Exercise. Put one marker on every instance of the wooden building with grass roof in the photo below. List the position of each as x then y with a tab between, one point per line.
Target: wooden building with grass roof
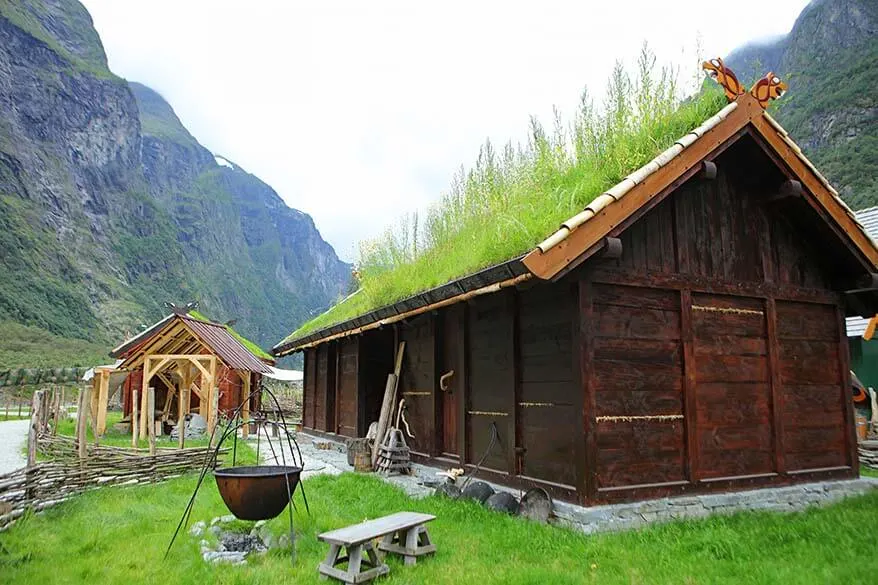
192	363
685	332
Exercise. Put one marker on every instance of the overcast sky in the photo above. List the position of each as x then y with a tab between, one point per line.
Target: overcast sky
358	112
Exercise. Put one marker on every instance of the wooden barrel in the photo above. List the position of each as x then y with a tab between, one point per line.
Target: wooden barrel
360	455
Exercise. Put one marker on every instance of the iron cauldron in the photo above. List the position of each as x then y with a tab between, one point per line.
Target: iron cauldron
256	492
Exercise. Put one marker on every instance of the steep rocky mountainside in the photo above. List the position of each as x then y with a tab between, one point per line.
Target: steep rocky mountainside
830	60
109	206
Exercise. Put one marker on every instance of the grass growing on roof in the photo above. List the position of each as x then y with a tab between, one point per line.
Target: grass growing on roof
119	535
513	198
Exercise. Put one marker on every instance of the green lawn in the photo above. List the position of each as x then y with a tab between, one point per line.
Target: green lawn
115	438
13	415
118	535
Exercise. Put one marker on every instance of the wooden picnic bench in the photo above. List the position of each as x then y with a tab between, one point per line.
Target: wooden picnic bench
403	533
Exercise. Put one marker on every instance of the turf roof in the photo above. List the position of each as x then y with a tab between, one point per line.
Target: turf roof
508	203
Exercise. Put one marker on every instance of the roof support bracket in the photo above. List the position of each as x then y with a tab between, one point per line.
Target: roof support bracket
866	282
708	171
612	249
788	189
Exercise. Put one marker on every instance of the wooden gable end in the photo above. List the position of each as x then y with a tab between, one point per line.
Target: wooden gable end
714	347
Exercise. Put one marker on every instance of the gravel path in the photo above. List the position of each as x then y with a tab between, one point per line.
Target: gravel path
13	437
333	461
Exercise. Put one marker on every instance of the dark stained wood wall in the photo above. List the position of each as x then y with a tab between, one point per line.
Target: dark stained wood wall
491	381
814	402
347	395
732	390
417	382
309	388
549	408
321	387
719	313
711	355
637	373
376	361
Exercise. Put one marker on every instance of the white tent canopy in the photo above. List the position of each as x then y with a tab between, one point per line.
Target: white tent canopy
285	375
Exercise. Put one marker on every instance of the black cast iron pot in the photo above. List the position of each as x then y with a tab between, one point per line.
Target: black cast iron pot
256	492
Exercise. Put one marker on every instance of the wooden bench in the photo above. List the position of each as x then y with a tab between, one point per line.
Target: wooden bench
403	533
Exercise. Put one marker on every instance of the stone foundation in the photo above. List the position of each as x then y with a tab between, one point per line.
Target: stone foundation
329	458
779	499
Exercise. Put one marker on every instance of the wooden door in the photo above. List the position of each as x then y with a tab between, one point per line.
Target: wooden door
450	384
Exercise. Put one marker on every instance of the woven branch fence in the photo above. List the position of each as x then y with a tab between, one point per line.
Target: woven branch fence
868	451
46	484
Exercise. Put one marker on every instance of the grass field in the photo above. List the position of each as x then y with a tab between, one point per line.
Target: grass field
118	535
115	438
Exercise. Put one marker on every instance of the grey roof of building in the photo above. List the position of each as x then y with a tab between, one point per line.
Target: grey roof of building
868	218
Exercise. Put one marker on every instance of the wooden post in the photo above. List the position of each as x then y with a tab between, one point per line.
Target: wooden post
82	421
150	406
245	411
134	418
214	409
33	431
586	374
103	398
181	415
776	384
56	410
213	397
147	375
690	406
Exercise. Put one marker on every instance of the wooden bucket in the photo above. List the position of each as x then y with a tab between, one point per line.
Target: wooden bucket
360	455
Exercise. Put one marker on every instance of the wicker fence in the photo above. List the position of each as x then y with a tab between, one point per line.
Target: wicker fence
72	470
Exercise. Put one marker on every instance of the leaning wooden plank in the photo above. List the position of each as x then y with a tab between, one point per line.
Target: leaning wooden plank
388	402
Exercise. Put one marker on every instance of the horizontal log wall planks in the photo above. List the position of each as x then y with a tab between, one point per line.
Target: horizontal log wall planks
751	400
417	384
491	372
550	402
309	388
348	386
320	387
733	394
708	355
814	404
637	382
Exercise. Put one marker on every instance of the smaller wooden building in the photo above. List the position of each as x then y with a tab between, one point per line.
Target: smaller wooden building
192	363
683	333
864	352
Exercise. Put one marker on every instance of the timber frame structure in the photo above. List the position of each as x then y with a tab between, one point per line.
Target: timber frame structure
683	333
188	359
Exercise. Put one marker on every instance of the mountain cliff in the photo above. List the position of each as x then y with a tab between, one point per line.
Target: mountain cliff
109	207
830	61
